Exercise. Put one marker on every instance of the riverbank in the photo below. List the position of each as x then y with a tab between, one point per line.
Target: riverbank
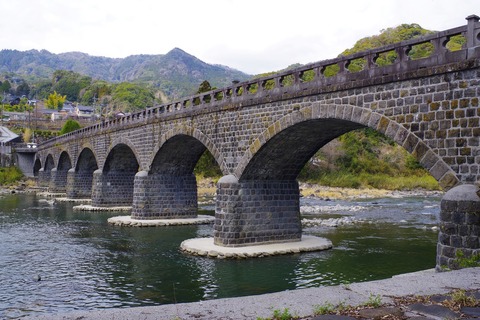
394	298
207	188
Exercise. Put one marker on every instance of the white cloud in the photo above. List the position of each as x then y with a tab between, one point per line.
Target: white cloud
249	35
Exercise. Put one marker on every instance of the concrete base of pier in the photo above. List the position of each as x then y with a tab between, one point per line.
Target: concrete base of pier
51	194
129	222
87	207
206	247
71	200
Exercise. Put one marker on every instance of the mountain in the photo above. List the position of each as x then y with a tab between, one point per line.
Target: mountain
176	73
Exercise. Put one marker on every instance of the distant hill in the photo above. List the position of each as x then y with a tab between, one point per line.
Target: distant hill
176	73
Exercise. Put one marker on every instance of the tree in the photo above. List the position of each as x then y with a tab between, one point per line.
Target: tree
204	87
128	97
97	91
70	83
27	135
5	86
55	101
69	126
23	89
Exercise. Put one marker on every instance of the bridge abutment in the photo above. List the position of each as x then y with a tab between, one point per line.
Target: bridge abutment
458	240
164	196
79	184
112	189
256	212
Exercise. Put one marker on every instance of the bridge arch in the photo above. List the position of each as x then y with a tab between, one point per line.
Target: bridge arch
119	144
310	128
80	177
49	163
44	173
197	135
113	184
36	167
169	188
267	172
58	178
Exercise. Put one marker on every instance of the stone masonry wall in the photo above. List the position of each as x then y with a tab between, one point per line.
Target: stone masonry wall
162	196
256	212
58	181
459	236
114	189
79	184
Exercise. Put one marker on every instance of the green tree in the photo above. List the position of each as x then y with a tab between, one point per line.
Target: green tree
5	87
55	101
204	87
23	89
98	91
41	89
70	83
130	97
69	126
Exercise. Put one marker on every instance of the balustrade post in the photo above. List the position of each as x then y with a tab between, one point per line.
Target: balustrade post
473	31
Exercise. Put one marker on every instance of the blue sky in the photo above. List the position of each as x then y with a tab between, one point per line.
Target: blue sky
253	36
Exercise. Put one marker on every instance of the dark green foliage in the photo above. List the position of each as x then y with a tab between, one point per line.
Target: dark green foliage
204	87
367	158
207	166
361	152
5	86
130	97
23	89
69	83
41	89
386	37
10	175
69	126
96	92
45	134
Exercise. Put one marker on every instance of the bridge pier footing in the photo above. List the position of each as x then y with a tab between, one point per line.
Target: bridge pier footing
112	188
256	212
79	184
164	196
458	240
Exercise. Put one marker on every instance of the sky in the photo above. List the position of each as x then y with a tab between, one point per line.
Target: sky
253	36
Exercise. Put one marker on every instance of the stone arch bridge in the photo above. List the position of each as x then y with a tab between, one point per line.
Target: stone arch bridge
262	132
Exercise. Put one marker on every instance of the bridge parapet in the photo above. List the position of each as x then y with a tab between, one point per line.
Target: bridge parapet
307	80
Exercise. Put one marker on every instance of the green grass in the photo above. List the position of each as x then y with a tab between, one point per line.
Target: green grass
10	175
377	181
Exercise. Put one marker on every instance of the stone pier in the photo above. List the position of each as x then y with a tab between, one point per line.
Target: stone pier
164	196
112	189
79	184
256	212
458	239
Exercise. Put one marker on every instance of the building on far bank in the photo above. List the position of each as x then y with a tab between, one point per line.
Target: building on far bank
7	137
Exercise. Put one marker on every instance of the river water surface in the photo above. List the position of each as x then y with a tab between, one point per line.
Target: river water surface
53	259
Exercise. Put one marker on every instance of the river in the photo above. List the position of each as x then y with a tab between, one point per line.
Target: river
54	259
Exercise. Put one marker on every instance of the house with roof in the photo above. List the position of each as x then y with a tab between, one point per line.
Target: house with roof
84	112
